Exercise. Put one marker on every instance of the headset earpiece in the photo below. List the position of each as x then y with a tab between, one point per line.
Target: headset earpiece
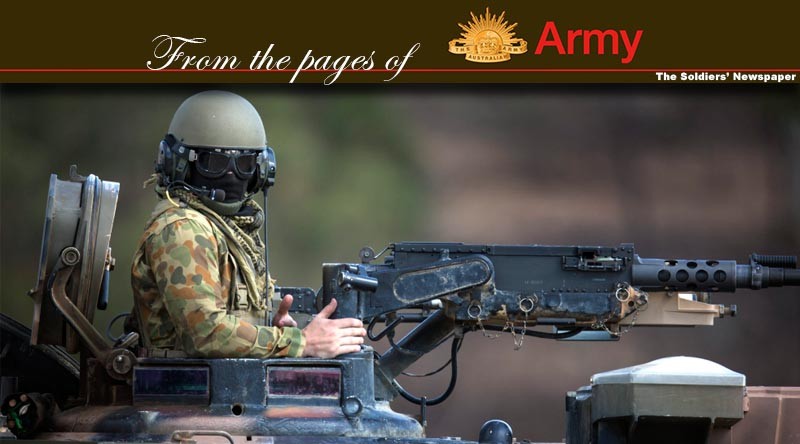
265	176
173	160
163	148
164	159
270	167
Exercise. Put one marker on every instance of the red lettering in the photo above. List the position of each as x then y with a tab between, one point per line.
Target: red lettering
631	46
594	41
571	36
549	30
601	35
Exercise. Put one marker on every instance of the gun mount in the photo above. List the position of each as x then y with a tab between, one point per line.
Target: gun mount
580	292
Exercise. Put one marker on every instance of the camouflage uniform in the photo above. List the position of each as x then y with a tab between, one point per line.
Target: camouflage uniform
188	297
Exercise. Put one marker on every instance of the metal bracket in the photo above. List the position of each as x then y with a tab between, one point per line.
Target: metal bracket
119	362
74	176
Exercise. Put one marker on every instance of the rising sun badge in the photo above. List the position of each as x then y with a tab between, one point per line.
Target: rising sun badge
488	39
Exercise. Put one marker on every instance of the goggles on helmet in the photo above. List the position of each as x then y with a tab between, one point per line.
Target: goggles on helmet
215	163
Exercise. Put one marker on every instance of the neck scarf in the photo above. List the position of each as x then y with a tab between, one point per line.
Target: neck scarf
241	231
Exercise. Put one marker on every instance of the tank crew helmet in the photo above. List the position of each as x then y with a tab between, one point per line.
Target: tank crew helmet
216	147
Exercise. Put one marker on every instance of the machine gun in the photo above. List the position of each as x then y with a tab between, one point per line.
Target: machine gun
121	393
580	292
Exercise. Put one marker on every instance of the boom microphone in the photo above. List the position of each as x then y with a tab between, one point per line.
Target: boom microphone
215	194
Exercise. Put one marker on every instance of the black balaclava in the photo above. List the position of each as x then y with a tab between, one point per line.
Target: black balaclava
235	189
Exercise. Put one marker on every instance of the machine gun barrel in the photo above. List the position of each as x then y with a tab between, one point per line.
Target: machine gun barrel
714	275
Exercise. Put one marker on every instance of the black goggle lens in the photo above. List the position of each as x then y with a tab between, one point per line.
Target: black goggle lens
213	163
216	163
247	163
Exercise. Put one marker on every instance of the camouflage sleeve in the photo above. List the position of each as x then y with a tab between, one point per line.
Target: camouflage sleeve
184	257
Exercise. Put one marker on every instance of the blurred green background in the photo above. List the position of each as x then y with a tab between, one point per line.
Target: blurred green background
693	172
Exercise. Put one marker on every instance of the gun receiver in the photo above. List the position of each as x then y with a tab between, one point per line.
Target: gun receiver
575	286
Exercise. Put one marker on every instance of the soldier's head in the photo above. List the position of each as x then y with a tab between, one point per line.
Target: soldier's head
216	147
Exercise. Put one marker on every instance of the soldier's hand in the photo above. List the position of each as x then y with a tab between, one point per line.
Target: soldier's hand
282	317
326	338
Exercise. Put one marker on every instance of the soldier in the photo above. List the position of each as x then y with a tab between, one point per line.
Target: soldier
199	277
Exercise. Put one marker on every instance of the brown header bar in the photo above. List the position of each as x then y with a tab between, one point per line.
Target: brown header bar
408	42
